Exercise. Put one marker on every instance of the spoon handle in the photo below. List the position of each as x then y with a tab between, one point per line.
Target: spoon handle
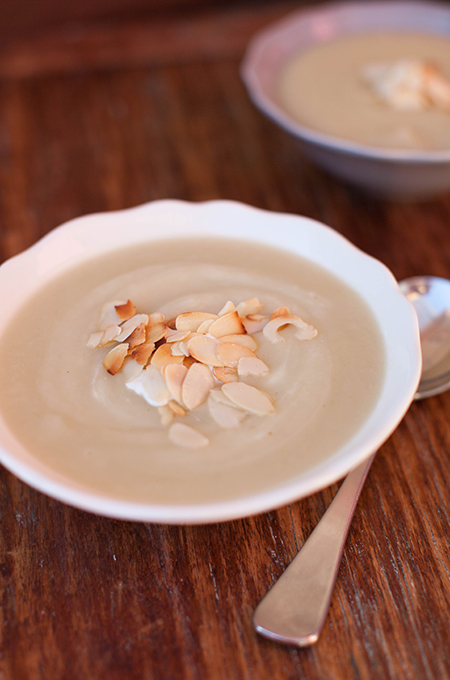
295	608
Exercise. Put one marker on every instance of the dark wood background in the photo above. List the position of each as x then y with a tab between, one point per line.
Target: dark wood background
103	110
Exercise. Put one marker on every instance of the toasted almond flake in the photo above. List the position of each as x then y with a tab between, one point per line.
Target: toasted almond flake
185	435
224	374
110	334
218	395
252	366
113	361
228	324
281	311
129	326
228	307
95	339
176	336
196	386
249	307
248	398
163	356
253	323
180	349
188	361
138	337
125	311
229	353
155	318
438	87
203	349
304	330
224	415
176	408
142	353
174	375
157	332
108	315
190	321
151	385
205	326
245	340
167	415
131	370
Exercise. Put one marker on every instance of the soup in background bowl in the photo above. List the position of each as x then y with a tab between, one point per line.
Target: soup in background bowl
342	78
332	355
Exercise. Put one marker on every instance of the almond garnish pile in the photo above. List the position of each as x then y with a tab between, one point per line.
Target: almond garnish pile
409	85
177	365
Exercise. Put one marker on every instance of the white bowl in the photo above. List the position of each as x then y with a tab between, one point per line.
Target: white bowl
93	235
400	174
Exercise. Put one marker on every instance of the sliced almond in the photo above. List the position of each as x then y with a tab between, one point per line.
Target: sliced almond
152	386
142	353
176	408
190	321
437	87
176	336
188	361
229	353
167	415
125	311
196	386
110	334
228	324
245	340
248	307
108	315
180	349
304	330
131	370
163	356
225	374
248	398
185	435
252	366
203	349
95	339
157	332
228	307
129	326
281	311
156	318
174	375
113	361
253	323
218	395
224	415
138	337
205	326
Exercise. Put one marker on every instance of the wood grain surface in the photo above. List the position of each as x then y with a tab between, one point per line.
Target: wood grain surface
84	597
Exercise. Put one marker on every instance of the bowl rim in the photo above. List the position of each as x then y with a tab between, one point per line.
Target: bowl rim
269	36
84	238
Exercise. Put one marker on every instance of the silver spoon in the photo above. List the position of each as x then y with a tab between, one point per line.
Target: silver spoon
295	608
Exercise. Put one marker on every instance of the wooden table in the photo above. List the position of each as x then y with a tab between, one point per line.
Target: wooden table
112	116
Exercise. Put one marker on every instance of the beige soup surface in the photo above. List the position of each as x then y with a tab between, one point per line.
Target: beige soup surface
380	89
87	426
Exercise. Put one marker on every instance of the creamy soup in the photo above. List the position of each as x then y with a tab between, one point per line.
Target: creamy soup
85	424
325	88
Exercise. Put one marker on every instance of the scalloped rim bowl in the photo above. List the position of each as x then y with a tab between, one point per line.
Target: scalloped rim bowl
93	235
400	173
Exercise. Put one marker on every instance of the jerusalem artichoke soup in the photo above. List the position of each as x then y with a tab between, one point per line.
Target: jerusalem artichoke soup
189	370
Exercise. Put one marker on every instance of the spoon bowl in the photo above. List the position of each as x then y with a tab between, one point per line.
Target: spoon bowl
430	297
